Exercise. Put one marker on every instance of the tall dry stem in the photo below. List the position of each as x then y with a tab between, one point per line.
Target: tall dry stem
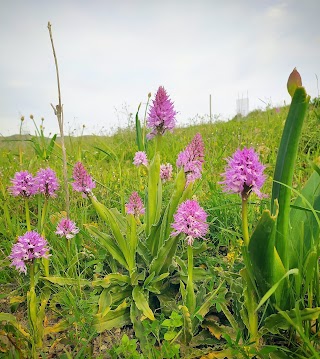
58	111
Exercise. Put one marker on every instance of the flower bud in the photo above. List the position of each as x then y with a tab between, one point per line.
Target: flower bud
294	81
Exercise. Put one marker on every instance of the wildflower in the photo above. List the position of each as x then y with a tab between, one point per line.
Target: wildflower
244	173
47	182
67	228
162	114
135	205
23	184
29	247
82	180
190	219
166	172
140	158
192	158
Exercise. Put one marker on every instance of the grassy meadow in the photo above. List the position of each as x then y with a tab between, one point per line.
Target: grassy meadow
92	303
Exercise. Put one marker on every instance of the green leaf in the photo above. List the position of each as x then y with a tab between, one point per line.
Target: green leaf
285	167
163	260
109	244
208	302
275	286
141	302
152	206
116	222
139	138
132	239
304	230
261	251
275	322
6	317
67	281
112	278
116	318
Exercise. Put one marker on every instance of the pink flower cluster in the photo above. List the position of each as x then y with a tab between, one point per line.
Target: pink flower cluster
190	219
140	158
46	181
162	114
166	172
244	173
30	246
25	185
192	159
66	228
135	205
82	181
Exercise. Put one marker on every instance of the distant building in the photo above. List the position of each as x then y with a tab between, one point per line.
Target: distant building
242	106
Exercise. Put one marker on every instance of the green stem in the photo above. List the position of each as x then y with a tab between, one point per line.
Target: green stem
190	300
158	143
44	215
27	215
32	285
245	230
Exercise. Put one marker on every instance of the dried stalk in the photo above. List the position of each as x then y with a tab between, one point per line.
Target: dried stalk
58	111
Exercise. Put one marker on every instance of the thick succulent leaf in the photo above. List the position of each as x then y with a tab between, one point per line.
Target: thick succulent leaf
284	169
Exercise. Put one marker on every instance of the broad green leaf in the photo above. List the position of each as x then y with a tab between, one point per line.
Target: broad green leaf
261	251
285	167
116	318
275	322
141	302
115	221
105	301
163	260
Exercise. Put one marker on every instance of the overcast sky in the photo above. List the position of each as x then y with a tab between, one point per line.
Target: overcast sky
111	54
